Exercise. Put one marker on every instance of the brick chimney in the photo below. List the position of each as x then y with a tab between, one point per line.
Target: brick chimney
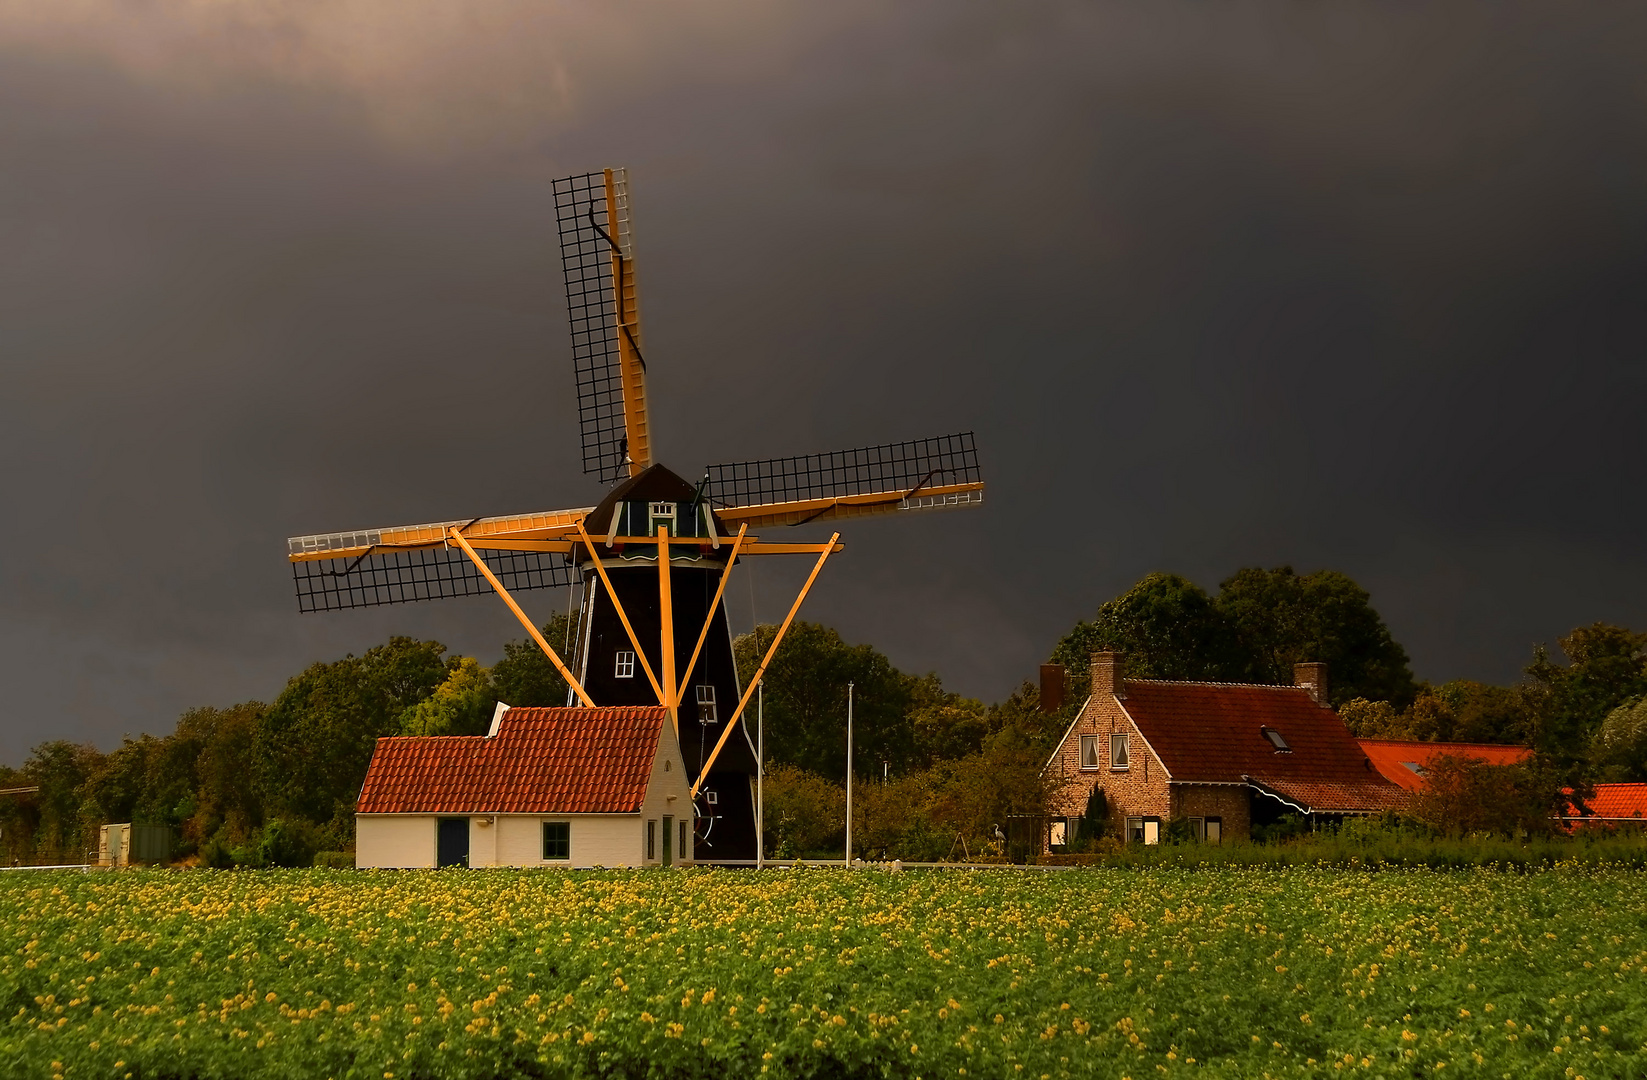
1052	687
1312	677
1107	673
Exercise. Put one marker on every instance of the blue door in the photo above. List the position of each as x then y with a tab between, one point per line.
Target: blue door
452	842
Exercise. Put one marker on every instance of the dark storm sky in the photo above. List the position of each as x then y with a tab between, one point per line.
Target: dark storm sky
1344	286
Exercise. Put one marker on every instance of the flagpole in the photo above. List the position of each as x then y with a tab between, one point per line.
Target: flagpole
849	775
760	775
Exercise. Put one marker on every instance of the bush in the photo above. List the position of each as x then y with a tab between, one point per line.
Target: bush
335	860
285	843
215	855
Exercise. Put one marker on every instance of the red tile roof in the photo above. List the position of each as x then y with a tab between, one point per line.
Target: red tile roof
542	761
1395	758
1213	733
1617	801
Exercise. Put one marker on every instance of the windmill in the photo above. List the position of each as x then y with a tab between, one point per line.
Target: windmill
653	557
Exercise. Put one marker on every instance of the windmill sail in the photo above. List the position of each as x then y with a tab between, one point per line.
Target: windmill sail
926	474
407	563
597	255
403	577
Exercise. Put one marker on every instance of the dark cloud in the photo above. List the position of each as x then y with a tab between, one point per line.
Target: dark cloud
1357	287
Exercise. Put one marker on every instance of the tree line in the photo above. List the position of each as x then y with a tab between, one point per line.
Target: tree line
937	772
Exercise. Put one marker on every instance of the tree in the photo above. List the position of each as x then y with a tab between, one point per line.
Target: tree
461	705
1620	745
806	700
1464	795
1280	619
313	746
223	800
1608	668
61	769
1167	626
945	724
525	677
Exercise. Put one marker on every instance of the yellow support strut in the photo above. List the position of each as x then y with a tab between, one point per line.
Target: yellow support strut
480	564
617	605
703	771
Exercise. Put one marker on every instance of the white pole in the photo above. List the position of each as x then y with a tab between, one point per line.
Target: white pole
760	775
849	775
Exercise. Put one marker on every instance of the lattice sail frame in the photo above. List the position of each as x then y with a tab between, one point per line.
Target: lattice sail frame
377	579
597	255
924	474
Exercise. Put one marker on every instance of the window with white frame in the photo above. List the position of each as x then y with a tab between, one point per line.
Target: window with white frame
1120	760
706	704
624	668
1089	751
710	798
662	513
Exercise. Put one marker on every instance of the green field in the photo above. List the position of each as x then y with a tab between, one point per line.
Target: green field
1134	973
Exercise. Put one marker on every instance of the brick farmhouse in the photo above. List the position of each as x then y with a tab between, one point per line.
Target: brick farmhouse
1222	756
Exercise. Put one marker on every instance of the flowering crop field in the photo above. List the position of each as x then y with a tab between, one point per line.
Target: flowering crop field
700	973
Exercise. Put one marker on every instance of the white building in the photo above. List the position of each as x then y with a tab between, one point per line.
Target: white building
546	788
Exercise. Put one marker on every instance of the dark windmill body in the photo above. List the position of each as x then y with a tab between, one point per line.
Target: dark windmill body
654	556
608	667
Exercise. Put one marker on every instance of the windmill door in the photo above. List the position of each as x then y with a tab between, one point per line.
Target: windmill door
452	842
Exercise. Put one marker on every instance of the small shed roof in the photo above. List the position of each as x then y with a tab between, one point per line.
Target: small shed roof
1226	733
1403	761
541	761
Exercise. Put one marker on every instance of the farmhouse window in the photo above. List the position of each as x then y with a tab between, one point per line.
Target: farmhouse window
1198	828
706	704
625	666
1119	759
1089	751
1214	830
1276	740
1135	830
557	840
1057	833
651	839
683	839
1152	830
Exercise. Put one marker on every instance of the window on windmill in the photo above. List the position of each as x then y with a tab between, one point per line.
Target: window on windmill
1119	758
557	840
706	704
1276	740
710	798
1089	751
625	666
664	513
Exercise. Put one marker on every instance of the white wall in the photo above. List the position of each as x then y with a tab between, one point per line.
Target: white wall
394	840
668	779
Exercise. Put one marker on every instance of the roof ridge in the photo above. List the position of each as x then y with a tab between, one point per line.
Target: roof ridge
1424	742
1208	682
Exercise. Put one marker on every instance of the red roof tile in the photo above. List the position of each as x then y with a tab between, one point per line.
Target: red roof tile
542	761
1396	758
1213	733
1618	801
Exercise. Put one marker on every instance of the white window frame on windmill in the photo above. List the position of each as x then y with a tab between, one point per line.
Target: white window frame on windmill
623	664
706	704
660	511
